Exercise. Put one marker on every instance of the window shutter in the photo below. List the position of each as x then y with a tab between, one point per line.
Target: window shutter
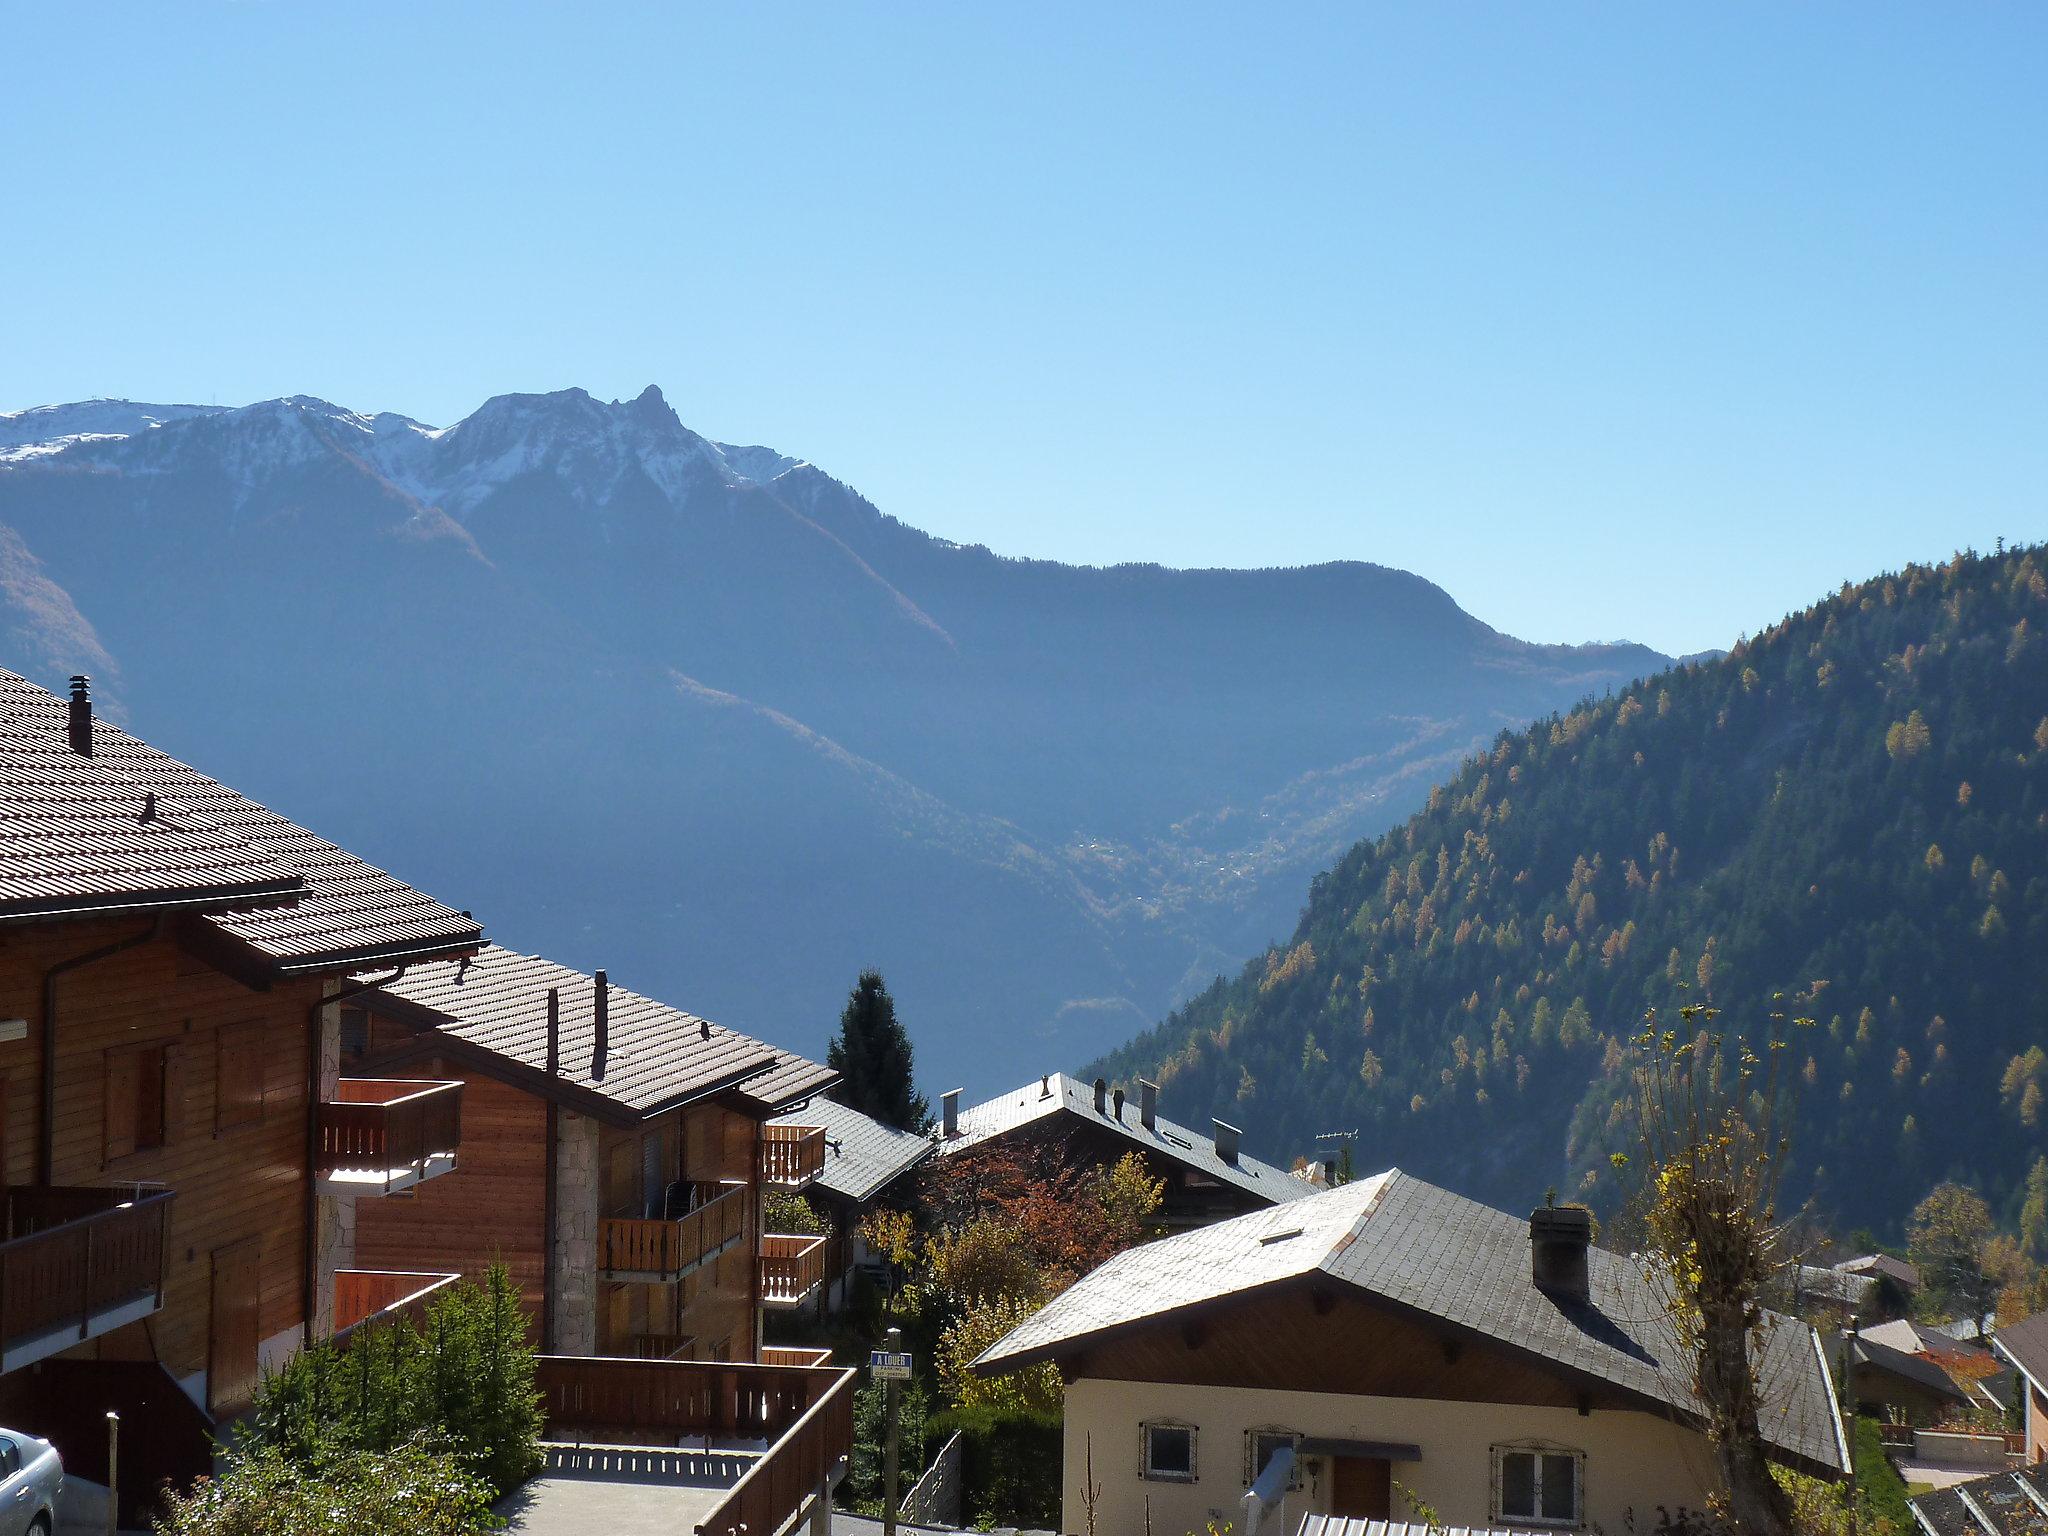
239	1072
118	1097
184	1071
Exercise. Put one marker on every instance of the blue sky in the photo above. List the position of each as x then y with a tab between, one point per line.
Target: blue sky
1616	321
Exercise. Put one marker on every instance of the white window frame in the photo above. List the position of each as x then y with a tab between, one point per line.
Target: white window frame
1252	1465
1147	1472
1538	1450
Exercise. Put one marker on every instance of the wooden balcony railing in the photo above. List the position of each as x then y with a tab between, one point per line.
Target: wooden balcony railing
660	1402
388	1133
364	1298
663	1346
794	1354
791	1155
654	1248
75	1262
791	1268
799	1465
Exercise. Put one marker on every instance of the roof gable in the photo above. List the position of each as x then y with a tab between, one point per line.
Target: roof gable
656	1056
347	915
1438	1255
1059	1094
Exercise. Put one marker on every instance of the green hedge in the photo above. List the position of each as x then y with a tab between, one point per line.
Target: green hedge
1012	1463
1878	1486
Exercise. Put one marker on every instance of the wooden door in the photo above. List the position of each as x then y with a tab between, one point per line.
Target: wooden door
1362	1487
232	1333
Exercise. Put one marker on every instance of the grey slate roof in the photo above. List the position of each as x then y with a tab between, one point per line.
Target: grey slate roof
1061	1094
862	1155
1837	1285
1398	1239
1902	1333
657	1056
2003	1504
1882	1264
1918	1369
2025	1345
348	915
78	837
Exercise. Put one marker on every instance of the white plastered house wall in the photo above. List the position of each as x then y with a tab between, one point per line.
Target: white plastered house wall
1633	1460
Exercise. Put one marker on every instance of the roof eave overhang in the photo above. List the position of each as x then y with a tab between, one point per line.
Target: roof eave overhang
375	957
211	900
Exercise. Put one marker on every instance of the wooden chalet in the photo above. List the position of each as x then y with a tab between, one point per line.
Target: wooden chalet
618	1150
178	1149
864	1160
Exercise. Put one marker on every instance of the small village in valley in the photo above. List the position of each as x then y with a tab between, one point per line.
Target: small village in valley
304	1171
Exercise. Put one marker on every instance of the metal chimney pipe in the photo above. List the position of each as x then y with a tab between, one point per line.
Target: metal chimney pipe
1148	1104
1101	1097
554	1031
81	715
949	1112
1117	1098
601	1042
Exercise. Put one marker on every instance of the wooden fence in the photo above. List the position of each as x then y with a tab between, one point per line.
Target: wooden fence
666	1249
381	1124
792	1155
72	1254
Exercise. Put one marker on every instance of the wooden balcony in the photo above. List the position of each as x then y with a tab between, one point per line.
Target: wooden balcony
768	1439
654	1249
791	1155
792	1269
663	1346
364	1298
76	1263
379	1135
795	1354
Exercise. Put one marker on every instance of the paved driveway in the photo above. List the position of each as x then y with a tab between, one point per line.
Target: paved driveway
605	1506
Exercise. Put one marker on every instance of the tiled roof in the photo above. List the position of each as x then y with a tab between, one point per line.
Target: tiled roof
1061	1094
790	1081
656	1056
2025	1344
1354	1525
862	1155
348	914
1399	1239
2003	1504
77	837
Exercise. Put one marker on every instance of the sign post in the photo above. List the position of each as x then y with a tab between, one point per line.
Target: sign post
891	1366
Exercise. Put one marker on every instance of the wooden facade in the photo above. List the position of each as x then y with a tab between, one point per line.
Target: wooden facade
646	1174
170	1072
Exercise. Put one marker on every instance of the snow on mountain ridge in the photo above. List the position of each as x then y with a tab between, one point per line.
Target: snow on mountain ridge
589	446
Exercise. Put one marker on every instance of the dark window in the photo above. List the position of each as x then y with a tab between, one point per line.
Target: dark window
1260	1444
355	1033
10	1456
1538	1485
1169	1453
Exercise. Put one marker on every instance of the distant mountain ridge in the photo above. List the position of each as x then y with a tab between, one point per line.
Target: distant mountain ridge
702	713
1845	818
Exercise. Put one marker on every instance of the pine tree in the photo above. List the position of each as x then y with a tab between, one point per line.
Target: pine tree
871	1053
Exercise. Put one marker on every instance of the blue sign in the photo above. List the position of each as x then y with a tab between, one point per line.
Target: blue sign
887	1366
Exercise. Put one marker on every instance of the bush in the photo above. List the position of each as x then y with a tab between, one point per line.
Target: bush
463	1385
1012	1462
263	1492
1879	1489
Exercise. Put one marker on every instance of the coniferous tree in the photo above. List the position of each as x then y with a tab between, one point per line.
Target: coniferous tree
871	1053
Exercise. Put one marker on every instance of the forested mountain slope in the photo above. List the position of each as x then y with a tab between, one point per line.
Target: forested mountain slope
1850	809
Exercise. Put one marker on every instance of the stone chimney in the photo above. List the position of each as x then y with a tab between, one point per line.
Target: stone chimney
81	716
1227	1138
1148	1104
949	1112
1101	1097
1559	1236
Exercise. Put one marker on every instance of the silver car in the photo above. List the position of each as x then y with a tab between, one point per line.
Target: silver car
31	1478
